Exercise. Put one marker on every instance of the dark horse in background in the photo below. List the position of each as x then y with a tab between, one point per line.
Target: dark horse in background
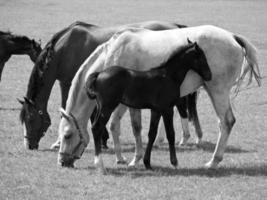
60	60
157	89
11	44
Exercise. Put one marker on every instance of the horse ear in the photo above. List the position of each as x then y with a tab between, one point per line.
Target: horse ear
197	46
20	101
189	41
64	114
28	101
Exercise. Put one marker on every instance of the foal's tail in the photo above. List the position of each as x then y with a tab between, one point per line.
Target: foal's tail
251	65
90	85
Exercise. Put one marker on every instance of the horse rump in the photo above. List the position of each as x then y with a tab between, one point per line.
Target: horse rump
90	85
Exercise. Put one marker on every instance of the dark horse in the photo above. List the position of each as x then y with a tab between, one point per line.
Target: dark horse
59	60
11	44
157	89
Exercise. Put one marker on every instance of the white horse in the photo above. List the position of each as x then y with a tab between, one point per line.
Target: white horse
142	50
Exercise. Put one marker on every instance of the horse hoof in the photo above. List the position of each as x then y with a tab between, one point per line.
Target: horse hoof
148	167
174	163
102	171
184	140
198	142
211	165
121	162
104	146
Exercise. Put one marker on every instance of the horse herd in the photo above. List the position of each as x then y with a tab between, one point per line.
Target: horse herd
104	70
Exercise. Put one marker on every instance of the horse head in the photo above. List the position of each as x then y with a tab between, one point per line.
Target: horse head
35	122
198	61
76	142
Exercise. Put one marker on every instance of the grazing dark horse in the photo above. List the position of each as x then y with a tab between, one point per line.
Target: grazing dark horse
157	89
11	44
59	60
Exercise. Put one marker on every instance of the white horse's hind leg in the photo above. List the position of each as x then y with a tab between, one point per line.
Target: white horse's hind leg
186	133
161	134
100	164
221	103
136	120
115	131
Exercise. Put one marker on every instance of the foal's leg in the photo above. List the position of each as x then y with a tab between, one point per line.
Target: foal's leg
168	122
154	122
105	135
115	131
136	120
64	88
221	103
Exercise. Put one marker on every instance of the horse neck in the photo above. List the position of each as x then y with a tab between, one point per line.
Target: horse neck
38	91
78	103
17	48
177	69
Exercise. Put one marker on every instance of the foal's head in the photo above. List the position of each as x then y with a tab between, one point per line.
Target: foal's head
195	59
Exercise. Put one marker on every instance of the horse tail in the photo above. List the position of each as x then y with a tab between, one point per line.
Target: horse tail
90	85
192	106
91	93
251	65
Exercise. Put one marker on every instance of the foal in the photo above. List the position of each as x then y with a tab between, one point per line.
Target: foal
157	89
16	44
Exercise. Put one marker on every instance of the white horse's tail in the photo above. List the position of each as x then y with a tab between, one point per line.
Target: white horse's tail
251	64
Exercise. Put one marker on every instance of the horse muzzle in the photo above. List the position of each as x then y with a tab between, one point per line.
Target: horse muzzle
30	144
66	160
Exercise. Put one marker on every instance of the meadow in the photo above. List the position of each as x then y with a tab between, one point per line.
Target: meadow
28	174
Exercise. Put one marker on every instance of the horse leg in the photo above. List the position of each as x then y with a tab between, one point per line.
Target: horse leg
154	122
161	134
168	122
181	106
64	88
97	130
193	115
136	120
221	103
105	135
115	131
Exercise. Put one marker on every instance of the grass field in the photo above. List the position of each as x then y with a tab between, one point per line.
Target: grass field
35	174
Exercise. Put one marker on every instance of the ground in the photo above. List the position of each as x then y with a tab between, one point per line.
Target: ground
35	175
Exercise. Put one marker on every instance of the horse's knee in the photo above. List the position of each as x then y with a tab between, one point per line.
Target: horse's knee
229	120
137	127
114	126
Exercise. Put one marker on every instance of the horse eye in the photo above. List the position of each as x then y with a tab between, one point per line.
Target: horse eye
68	136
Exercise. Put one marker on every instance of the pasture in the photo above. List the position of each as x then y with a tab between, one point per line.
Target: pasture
28	174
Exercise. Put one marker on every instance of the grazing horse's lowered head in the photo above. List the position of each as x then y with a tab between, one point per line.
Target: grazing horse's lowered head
16	44
37	119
